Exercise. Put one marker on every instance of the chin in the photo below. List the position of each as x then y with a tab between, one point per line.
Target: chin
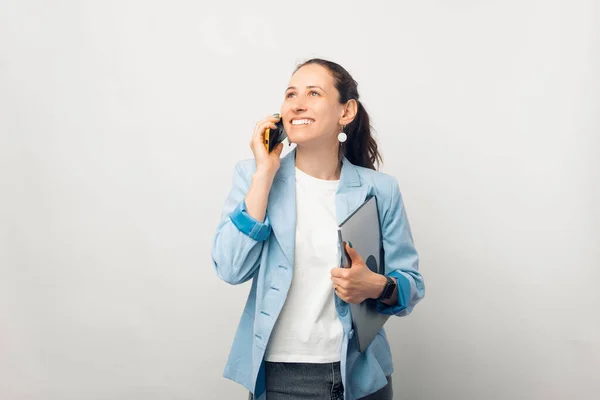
300	137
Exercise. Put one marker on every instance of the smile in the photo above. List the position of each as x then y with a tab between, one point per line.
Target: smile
302	121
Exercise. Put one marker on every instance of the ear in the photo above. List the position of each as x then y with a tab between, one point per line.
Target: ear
350	111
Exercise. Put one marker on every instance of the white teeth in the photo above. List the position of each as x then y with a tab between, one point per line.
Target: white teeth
302	122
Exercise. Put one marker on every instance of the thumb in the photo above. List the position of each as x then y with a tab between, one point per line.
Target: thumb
356	258
278	149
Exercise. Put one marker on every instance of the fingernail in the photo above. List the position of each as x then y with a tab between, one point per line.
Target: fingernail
350	244
277	115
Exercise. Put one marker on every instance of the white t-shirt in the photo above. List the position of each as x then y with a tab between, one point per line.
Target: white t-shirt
308	329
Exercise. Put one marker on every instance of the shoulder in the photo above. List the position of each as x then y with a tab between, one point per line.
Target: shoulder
386	189
244	169
247	166
384	185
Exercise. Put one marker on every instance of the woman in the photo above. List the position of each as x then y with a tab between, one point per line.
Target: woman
295	336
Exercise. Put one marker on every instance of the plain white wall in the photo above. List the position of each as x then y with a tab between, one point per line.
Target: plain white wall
121	121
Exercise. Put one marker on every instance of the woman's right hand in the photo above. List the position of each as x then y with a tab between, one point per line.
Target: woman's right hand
266	163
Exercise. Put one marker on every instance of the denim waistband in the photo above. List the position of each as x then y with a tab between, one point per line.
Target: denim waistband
304	380
287	381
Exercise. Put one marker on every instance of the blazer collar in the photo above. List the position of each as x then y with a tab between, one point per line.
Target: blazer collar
348	178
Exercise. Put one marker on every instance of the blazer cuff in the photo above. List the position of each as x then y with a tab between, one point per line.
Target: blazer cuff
403	288
249	226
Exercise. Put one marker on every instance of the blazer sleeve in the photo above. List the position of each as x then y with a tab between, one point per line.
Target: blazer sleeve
401	259
238	242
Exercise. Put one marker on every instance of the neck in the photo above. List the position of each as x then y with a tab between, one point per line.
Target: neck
320	162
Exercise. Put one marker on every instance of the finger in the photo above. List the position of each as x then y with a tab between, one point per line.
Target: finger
269	122
261	126
338	282
338	272
356	258
339	289
259	134
272	118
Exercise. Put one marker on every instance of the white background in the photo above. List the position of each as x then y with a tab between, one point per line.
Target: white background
120	124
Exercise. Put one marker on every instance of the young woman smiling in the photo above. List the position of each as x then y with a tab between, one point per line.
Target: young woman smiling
279	229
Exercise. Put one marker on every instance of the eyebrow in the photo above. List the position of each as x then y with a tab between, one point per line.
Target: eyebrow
308	87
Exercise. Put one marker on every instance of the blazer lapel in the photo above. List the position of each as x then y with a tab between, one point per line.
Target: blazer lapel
281	207
351	192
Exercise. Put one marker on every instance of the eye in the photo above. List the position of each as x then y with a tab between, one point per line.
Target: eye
312	93
290	94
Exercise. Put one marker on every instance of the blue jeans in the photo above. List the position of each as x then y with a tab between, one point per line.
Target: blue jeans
295	381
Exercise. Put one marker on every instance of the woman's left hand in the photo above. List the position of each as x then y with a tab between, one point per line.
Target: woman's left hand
357	283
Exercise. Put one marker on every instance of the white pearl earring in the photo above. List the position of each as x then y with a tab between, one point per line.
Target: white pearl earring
342	137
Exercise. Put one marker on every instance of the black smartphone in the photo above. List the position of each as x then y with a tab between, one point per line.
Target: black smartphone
274	136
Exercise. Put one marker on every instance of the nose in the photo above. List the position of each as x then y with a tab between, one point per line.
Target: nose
298	106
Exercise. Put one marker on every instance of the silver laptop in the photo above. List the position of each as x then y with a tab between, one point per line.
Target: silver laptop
363	230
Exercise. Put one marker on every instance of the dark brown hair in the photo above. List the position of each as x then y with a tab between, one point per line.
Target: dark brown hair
360	148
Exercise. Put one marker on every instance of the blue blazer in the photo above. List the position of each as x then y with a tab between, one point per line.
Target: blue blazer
246	249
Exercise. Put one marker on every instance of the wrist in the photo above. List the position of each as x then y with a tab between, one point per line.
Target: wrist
263	176
379	283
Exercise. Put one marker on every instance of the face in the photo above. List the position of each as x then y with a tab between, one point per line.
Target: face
311	111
